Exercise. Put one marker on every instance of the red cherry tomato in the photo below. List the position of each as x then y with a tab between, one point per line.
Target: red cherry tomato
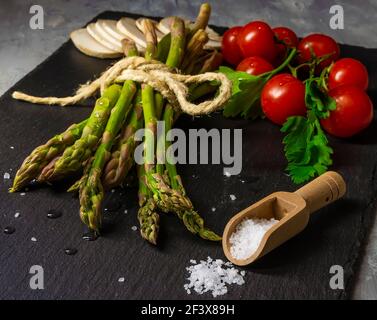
320	45
353	113
348	71
229	46
257	39
254	66
290	40
283	96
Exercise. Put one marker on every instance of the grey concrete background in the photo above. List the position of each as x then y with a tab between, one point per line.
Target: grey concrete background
22	48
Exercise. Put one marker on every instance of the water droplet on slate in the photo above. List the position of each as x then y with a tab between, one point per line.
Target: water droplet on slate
113	206
70	251
54	214
9	230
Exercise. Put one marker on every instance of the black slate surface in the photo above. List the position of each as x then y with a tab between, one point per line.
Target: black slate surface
297	270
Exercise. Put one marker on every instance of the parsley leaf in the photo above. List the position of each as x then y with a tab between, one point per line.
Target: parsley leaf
318	100
246	91
306	147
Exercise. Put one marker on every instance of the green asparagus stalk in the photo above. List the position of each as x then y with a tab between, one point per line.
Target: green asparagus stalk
147	214
76	155
179	202
202	19
121	159
91	189
149	219
191	219
194	50
42	155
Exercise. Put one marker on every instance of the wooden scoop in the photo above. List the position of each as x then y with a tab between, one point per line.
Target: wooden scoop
292	209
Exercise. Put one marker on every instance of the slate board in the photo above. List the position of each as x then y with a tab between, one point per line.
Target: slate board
297	270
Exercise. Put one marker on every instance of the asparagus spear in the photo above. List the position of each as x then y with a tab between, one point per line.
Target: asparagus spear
121	159
181	204
75	156
147	215
202	19
191	219
91	189
42	155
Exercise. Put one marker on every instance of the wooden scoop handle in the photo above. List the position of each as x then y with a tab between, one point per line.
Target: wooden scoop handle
323	190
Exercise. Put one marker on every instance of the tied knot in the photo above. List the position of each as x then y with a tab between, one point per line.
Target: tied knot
172	86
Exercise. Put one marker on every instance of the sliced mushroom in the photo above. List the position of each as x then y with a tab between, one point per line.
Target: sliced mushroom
108	36
92	30
139	24
212	44
127	26
84	42
111	27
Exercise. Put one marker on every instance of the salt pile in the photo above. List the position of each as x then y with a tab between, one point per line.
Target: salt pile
212	276
245	240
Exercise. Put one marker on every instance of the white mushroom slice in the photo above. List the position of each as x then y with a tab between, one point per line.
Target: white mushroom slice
165	23
127	26
92	30
84	42
104	33
111	28
139	24
212	44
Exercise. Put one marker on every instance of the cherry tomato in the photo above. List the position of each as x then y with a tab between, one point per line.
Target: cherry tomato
254	66
283	96
290	40
320	45
229	46
348	71
353	113
257	39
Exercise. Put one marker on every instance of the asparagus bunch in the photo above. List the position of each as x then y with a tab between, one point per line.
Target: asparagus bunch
103	145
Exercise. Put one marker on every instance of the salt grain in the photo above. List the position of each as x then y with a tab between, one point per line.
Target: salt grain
232	197
227	173
6	176
121	279
213	209
134	228
126	211
17	214
33	239
12	147
212	276
247	236
22	194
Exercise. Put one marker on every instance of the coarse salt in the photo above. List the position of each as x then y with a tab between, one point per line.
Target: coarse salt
227	173
213	209
6	176
245	240
212	276
232	197
17	214
33	239
121	279
134	228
